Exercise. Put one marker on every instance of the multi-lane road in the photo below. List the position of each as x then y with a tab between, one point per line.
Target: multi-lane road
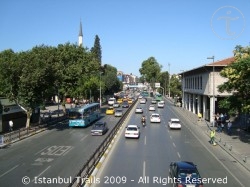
61	151
145	162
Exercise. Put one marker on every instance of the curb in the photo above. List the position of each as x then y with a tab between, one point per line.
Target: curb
100	163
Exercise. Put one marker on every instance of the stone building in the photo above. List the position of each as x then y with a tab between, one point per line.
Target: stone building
200	92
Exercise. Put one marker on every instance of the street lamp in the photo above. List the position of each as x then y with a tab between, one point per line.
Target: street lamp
169	80
183	87
100	97
212	57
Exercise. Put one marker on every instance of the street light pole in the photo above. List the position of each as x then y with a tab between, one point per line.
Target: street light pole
169	80
183	87
212	57
100	97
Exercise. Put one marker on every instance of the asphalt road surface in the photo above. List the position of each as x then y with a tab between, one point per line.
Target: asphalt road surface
57	153
145	161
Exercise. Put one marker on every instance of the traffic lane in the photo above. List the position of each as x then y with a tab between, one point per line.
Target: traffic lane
40	154
212	165
159	170
227	161
139	160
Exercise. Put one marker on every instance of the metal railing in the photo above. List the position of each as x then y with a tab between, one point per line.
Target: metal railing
91	163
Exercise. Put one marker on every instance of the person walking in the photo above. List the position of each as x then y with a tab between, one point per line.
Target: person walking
10	125
212	137
229	126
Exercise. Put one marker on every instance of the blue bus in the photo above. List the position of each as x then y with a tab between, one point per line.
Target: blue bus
85	115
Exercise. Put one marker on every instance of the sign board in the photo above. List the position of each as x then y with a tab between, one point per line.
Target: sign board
157	85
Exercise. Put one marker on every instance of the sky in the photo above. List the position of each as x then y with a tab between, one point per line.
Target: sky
179	34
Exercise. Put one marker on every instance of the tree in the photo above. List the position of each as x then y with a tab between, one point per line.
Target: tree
26	77
238	81
150	70
96	50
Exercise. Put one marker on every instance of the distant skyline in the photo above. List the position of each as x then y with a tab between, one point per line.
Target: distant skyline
180	33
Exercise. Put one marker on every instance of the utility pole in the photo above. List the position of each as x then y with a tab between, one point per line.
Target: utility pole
169	80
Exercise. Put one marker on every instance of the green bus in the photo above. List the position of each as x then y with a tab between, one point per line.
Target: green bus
158	97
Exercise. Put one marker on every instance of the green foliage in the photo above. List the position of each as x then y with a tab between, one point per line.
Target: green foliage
97	51
150	69
238	81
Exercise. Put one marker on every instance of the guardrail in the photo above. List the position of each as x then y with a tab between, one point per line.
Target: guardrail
22	133
92	162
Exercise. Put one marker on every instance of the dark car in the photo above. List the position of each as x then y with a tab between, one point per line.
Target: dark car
125	104
185	174
99	128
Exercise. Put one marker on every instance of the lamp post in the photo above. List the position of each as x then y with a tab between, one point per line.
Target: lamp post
212	57
100	97
183	87
169	80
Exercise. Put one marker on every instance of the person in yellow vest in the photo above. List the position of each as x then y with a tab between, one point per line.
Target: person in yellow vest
199	116
212	137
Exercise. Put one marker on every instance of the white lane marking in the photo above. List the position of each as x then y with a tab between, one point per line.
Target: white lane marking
9	171
41	173
170	137
145	140
41	150
83	138
178	154
144	169
174	144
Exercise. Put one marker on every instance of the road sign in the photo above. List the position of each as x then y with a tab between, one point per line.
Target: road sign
157	85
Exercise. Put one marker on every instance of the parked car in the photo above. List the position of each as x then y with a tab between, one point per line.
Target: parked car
99	128
185	174
132	131
118	112
110	111
155	118
174	123
151	108
139	110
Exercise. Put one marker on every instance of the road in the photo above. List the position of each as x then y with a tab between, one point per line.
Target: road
145	161
58	152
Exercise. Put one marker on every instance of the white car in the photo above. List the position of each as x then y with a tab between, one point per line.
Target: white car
151	108
132	131
160	104
153	101
174	123
111	101
139	110
143	101
155	118
118	112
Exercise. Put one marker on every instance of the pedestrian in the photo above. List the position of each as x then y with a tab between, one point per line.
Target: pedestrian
229	126
212	137
10	125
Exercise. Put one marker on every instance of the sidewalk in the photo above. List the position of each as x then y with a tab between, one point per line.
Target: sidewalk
237	145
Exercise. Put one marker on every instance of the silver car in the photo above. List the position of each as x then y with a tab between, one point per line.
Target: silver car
118	112
139	110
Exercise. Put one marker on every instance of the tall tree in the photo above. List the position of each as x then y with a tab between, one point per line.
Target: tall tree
238	81
150	70
96	50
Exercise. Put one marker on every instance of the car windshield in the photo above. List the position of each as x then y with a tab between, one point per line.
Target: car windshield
132	129
176	122
188	173
155	116
98	125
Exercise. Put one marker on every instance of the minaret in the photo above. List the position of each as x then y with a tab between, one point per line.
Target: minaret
80	35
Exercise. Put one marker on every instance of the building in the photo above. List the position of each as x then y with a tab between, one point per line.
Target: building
200	92
80	36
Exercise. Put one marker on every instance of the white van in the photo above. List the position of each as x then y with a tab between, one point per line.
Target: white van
111	101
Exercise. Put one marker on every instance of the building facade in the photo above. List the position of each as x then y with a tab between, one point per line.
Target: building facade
200	89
